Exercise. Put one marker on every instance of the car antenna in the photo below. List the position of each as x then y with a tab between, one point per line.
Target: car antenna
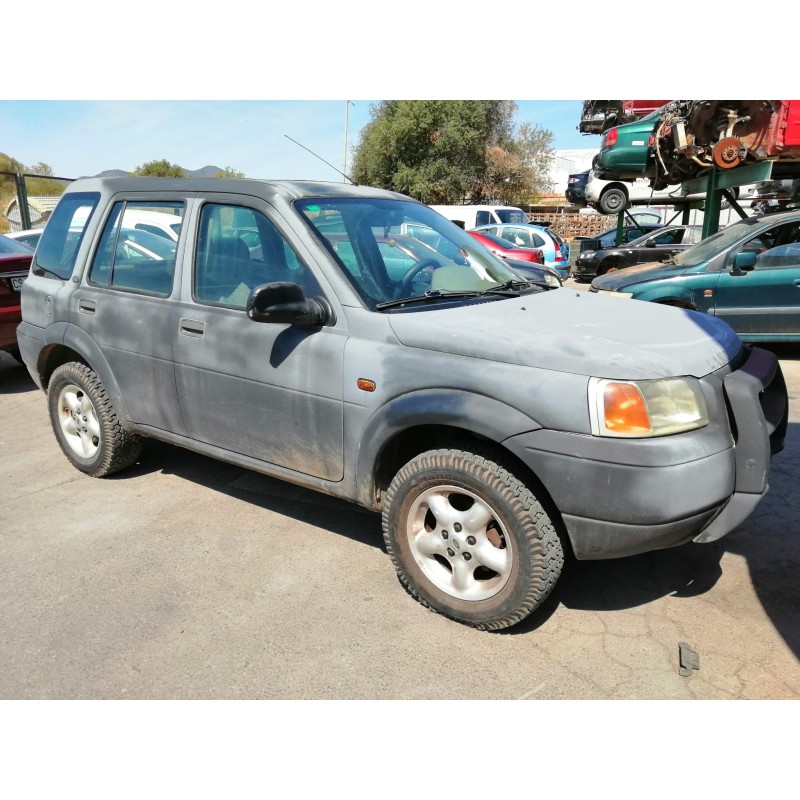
321	159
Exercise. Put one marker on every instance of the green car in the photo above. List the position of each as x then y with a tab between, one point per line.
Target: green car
748	274
627	151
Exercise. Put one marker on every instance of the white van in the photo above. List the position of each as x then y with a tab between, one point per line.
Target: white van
469	217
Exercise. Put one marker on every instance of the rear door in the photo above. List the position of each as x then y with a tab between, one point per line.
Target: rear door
124	303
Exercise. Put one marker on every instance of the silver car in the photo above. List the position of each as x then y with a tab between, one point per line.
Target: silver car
494	424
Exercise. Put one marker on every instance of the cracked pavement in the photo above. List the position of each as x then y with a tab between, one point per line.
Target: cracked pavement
189	578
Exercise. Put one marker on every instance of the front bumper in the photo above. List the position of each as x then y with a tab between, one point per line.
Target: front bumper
622	497
585	268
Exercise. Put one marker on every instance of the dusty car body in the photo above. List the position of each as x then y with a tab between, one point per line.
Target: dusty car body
747	274
684	139
479	416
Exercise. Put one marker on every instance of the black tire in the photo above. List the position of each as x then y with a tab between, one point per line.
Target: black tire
85	424
612	201
518	538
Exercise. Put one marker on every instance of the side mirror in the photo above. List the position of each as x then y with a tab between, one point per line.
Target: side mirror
650	243
286	302
744	262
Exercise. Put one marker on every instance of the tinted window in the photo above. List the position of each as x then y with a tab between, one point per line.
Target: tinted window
670	237
133	259
238	249
482	218
58	247
511	216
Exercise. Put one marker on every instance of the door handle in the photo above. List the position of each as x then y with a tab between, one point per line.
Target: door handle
192	327
87	306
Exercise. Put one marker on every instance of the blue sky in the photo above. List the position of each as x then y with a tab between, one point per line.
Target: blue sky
84	137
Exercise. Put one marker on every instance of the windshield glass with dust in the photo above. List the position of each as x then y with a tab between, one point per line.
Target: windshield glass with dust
393	249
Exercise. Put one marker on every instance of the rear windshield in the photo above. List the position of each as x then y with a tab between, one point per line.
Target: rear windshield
511	215
58	247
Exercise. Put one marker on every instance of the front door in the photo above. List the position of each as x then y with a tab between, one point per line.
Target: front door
269	391
765	300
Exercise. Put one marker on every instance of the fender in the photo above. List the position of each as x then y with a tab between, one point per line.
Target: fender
455	408
78	340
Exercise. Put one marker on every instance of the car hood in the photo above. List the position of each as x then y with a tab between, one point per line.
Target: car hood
576	332
652	270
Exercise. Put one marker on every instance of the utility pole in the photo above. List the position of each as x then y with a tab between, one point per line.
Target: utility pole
347	104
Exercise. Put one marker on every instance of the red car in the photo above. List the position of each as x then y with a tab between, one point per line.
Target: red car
15	261
504	249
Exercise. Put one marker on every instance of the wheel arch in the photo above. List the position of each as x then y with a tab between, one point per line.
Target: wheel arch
424	420
77	345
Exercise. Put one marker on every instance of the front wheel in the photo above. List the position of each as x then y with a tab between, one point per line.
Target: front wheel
85	424
470	540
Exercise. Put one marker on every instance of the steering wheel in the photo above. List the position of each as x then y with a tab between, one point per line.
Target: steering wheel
405	282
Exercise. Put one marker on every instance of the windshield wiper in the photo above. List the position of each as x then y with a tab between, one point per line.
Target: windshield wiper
510	288
431	294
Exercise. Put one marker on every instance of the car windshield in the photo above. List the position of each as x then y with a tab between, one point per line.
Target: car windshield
709	247
10	246
511	216
370	239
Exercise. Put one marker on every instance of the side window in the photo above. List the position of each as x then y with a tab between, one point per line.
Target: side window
492	230
483	218
58	247
670	237
238	249
537	240
133	259
782	249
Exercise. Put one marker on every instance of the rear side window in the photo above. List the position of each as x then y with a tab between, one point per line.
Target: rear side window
62	237
133	259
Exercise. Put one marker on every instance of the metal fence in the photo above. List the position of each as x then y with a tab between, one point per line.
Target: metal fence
27	199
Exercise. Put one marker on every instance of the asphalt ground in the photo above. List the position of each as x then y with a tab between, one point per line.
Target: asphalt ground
187	578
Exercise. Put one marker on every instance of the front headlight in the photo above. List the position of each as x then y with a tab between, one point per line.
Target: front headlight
588	254
637	409
552	280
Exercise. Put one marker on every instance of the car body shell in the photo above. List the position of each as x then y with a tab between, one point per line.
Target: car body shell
510	370
554	250
15	261
658	245
761	302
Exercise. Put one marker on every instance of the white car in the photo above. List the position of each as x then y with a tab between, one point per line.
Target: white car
611	197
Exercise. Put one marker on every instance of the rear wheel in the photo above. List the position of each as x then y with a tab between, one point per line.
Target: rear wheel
470	540
85	423
612	201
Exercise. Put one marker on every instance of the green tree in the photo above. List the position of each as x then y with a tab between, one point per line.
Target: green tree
450	151
159	169
40	168
229	172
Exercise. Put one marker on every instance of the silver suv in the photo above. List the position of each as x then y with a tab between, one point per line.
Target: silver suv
494	424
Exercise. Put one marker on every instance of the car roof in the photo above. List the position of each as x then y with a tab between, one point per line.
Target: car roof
290	189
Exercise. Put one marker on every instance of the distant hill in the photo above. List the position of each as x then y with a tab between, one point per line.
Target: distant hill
204	172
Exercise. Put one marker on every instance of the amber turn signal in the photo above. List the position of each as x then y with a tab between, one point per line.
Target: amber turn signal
625	409
365	385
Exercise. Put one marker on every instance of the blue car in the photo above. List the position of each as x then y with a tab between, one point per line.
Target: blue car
553	247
